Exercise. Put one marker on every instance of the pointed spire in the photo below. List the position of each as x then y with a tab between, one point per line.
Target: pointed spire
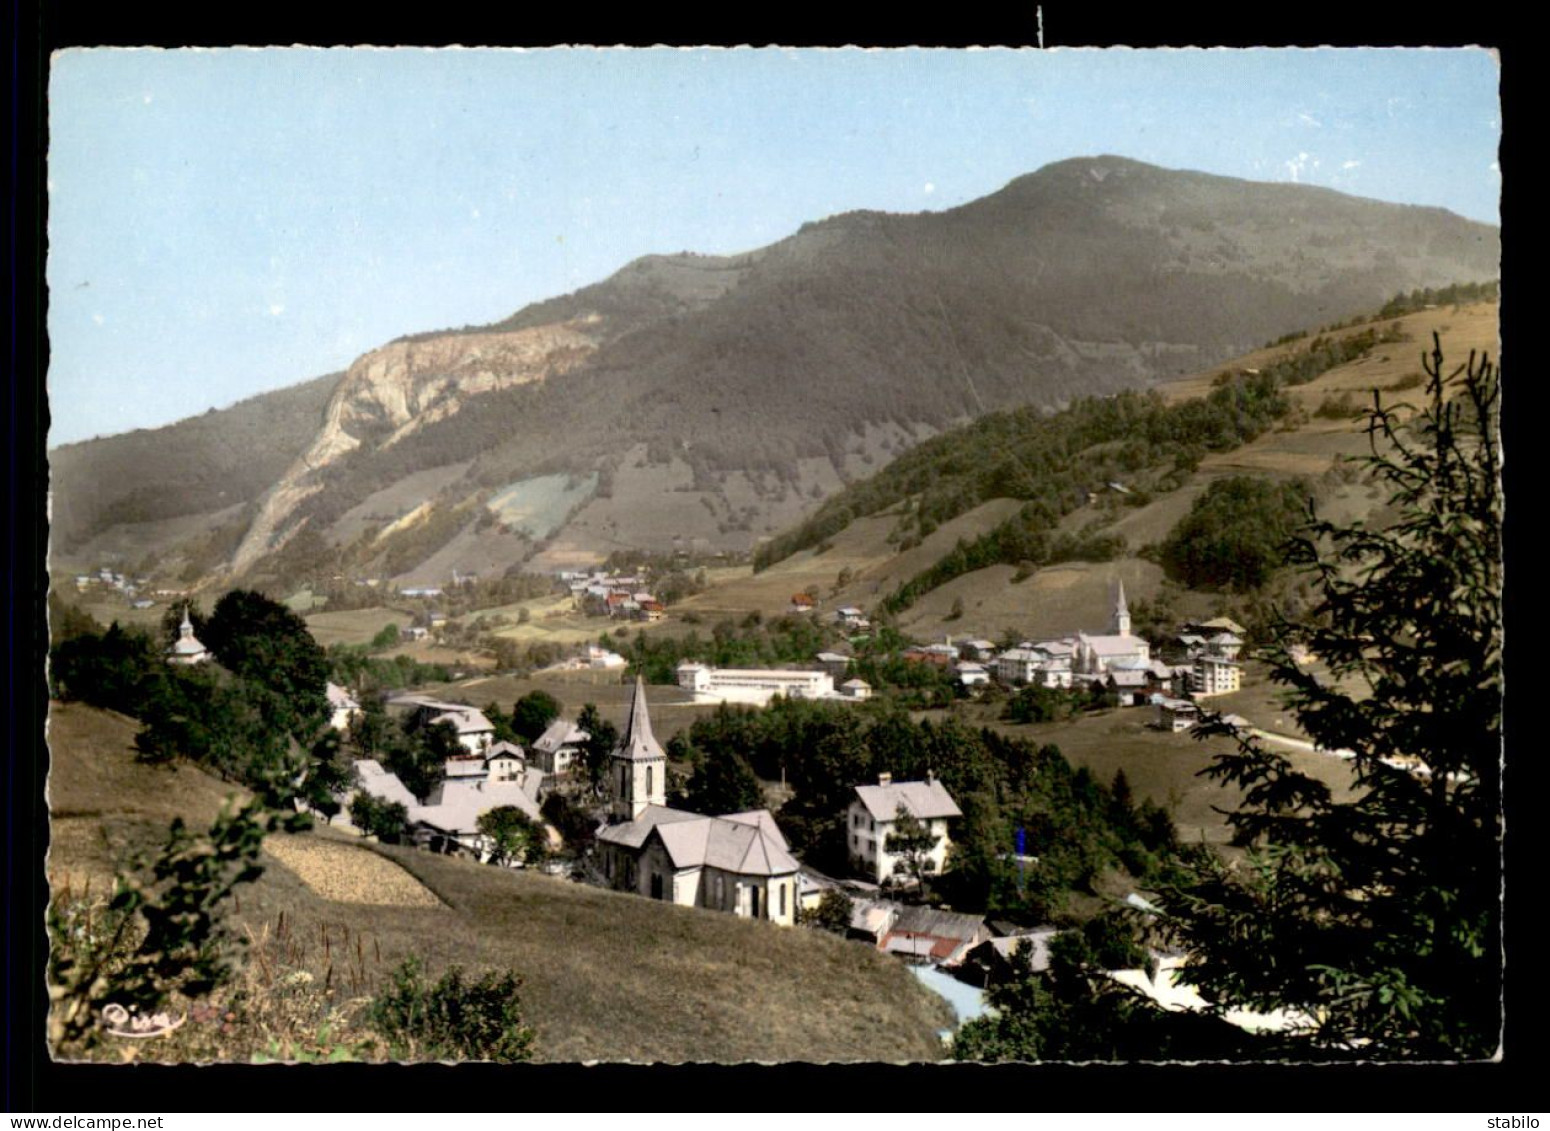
1121	625
187	627
637	741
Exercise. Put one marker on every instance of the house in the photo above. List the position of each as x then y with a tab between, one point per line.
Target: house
415	632
835	663
739	863
997	959
1176	715
972	674
873	816
1225	645
941	938
505	761
1130	682
857	689
603	659
872	919
474	730
558	748
1210	628
982	650
802	603
449	819
342	707
186	649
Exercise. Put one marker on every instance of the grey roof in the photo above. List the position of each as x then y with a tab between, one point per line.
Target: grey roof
1038	941
1117	644
638	743
510	749
561	732
381	784
339	698
455	806
749	844
922	800
939	924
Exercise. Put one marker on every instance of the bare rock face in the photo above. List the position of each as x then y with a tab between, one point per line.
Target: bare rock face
390	392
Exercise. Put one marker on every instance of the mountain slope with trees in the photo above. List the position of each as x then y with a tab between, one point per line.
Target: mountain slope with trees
758	382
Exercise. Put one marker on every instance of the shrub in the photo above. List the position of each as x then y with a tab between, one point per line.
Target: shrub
456	1018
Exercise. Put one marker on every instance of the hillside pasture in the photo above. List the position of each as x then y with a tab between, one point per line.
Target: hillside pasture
1160	765
357	626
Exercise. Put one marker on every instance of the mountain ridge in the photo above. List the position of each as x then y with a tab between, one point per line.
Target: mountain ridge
742	376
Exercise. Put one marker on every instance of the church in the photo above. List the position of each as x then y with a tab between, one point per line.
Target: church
1095	655
739	863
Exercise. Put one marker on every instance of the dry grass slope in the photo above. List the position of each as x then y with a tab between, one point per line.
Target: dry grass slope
609	977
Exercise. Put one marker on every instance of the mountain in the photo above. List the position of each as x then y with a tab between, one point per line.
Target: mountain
702	402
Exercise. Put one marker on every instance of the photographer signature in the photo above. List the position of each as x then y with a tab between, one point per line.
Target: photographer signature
121	1022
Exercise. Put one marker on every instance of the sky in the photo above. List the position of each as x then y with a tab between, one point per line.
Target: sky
227	221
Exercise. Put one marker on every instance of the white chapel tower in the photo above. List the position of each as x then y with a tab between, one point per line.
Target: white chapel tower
637	769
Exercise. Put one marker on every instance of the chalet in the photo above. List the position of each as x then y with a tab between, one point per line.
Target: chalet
856	689
802	603
415	632
558	748
874	814
739	863
506	761
449	819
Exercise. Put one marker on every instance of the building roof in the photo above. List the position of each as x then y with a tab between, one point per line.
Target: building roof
1221	624
749	844
922	800
637	743
938	924
340	699
1114	645
506	749
561	732
456	806
383	785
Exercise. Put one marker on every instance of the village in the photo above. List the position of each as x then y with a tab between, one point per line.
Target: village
899	833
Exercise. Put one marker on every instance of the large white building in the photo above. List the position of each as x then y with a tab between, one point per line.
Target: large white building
1214	675
753	685
739	863
874	814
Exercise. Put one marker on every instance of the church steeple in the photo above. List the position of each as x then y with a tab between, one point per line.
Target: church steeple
1121	612
638	766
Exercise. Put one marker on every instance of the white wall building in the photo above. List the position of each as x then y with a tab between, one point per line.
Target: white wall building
874	814
753	685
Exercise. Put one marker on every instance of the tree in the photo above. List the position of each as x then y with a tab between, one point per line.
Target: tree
533	713
1377	916
1232	536
602	737
724	784
263	641
912	841
833	912
514	838
388	821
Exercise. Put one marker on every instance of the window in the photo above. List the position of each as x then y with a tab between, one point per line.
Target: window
783	900
648	783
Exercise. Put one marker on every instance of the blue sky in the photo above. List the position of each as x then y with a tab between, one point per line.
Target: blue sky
223	222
